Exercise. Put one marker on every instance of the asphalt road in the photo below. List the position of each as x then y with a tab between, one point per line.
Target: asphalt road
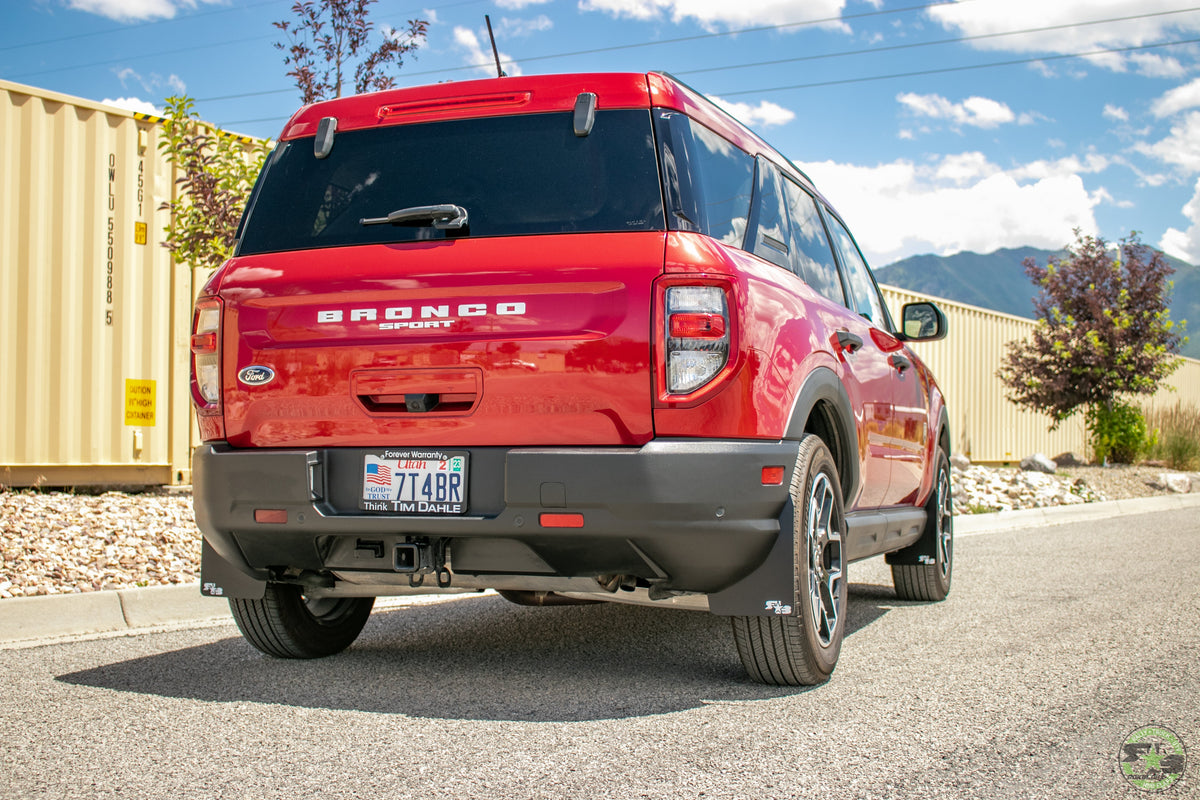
1053	646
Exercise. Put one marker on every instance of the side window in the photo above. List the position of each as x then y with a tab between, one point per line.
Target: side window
812	258
864	295
771	238
708	179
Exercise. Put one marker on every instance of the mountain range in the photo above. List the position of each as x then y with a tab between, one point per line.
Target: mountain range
998	281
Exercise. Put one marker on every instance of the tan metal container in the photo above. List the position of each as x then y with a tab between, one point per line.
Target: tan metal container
986	427
90	362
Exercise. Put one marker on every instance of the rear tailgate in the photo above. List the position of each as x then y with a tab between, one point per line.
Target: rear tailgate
515	341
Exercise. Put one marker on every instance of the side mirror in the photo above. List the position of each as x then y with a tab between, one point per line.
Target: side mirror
922	322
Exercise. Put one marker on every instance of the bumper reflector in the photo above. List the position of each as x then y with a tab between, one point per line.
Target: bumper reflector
561	520
271	516
772	476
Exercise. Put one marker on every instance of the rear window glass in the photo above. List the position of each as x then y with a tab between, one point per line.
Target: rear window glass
524	174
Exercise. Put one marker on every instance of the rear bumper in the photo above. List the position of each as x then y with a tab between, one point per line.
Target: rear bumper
684	515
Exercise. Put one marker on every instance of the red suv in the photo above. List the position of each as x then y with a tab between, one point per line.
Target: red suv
568	337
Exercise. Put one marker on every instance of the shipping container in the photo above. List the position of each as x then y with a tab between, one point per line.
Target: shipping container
94	349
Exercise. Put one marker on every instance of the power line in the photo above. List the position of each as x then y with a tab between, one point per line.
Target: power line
913	74
912	45
137	25
963	68
635	45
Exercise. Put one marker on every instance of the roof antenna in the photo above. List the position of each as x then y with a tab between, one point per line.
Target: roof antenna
495	52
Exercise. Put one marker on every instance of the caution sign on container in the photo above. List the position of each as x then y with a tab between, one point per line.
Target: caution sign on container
139	403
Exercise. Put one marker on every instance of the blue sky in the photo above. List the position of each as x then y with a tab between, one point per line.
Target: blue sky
899	110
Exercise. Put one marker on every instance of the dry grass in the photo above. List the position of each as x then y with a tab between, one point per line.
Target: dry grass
1175	431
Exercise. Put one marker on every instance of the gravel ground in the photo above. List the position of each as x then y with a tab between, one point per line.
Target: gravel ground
58	542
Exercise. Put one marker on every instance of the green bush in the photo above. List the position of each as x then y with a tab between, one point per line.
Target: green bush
1118	432
1178	430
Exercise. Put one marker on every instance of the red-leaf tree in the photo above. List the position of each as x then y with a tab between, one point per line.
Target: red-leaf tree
331	38
1104	329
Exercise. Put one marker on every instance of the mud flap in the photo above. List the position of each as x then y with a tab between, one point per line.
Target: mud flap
770	589
219	578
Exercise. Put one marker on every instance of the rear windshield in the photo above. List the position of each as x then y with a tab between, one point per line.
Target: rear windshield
524	174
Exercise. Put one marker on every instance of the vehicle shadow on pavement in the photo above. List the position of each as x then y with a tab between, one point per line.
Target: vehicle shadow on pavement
484	659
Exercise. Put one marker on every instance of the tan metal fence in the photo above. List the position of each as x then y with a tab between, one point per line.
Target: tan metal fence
986	427
96	316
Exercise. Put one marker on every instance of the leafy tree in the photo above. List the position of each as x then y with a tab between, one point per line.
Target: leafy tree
330	37
216	171
1103	330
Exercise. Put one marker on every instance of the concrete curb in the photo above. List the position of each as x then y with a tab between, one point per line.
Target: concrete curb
36	619
1033	518
52	616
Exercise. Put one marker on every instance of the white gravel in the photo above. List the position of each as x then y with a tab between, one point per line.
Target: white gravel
59	542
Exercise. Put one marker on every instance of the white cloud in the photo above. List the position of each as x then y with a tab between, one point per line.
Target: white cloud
715	13
1185	244
765	113
957	203
978	112
510	27
135	10
981	19
1178	99
476	56
1115	113
517	5
1181	148
152	83
134	104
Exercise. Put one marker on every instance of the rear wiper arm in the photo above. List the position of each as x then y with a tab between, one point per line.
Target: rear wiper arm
442	217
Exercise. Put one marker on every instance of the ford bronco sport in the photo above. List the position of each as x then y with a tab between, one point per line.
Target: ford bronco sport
566	337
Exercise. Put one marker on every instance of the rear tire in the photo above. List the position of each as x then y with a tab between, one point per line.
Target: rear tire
285	624
930	581
802	648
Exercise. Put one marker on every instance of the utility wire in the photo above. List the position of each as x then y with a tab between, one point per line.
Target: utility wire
911	45
913	74
635	45
964	68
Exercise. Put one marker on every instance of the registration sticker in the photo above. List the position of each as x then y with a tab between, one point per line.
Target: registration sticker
415	482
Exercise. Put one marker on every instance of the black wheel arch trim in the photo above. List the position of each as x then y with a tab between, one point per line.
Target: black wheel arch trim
824	385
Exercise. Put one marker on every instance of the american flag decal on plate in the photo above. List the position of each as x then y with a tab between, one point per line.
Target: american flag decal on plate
379	474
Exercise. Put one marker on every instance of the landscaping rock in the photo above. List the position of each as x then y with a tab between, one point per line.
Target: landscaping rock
1038	463
1174	482
960	461
1068	459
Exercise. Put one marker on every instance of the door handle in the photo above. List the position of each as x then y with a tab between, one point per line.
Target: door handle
849	341
900	362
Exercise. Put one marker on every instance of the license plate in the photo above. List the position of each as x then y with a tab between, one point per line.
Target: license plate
415	482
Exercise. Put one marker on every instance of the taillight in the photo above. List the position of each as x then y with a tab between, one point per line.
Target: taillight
206	356
697	336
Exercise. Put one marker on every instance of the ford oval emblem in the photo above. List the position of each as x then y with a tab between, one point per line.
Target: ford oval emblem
256	375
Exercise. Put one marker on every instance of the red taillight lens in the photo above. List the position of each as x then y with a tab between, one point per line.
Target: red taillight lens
204	342
697	326
206	357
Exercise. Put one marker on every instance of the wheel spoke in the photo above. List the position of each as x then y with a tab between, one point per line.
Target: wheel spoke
824	540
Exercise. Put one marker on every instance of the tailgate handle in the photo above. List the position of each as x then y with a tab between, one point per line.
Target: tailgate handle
420	403
419	391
